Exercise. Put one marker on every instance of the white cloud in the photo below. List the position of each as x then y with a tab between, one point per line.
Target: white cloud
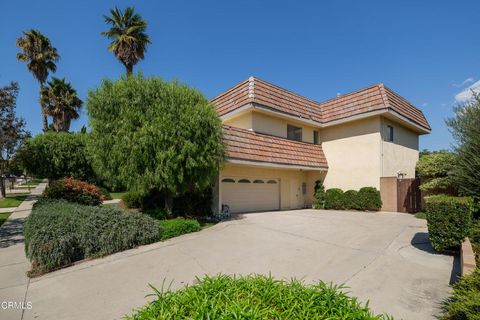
466	94
424	104
464	82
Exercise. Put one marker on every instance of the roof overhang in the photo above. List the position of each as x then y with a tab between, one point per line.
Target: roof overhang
274	165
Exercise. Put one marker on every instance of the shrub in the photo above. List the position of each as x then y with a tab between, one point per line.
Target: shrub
350	199
105	193
254	297
475	240
368	198
74	191
175	227
134	199
58	233
435	170
334	199
465	300
194	203
448	219
319	195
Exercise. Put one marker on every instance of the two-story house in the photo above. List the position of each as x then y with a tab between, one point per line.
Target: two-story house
279	143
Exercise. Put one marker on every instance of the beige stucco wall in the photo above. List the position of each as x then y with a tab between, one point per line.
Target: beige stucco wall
290	182
266	123
243	121
401	155
353	154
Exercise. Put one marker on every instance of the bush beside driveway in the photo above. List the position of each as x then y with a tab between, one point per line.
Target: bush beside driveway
382	257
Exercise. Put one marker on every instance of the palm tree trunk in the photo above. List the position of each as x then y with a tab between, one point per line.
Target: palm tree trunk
129	69
44	111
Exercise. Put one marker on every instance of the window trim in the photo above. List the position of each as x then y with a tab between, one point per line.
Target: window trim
390	134
316	137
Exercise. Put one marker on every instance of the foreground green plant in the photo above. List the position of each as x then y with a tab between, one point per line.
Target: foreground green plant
254	297
465	300
176	227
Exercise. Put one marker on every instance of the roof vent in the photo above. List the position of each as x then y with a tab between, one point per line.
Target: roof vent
251	87
338	94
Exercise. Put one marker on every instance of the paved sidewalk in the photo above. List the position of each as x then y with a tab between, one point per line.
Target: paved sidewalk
5	210
13	263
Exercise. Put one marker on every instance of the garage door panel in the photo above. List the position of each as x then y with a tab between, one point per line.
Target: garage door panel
247	197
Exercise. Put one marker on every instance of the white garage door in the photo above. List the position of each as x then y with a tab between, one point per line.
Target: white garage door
251	194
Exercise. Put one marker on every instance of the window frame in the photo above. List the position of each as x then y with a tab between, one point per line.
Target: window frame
297	133
316	137
389	136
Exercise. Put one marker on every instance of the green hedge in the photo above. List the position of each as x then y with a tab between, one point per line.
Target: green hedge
58	233
449	220
254	297
176	227
367	198
465	300
334	199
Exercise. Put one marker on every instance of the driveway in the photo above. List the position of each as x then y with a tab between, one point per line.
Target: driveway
382	257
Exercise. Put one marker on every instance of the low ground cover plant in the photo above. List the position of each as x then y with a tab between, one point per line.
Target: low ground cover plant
175	227
73	190
58	233
367	198
254	297
465	300
449	220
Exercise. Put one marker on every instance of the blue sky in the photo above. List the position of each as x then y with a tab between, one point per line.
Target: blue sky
427	51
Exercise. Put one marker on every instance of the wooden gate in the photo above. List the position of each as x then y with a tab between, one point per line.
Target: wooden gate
409	198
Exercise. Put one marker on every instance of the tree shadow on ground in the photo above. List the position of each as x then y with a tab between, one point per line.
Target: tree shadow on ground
11	232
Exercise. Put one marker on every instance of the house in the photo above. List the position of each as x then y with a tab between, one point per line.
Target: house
279	143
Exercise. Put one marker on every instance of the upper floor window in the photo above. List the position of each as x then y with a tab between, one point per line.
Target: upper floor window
389	136
315	137
294	133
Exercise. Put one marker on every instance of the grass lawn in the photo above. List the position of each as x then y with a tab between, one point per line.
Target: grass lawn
4	216
421	215
12	200
117	195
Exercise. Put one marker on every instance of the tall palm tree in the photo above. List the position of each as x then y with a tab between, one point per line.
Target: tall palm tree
61	103
129	40
40	56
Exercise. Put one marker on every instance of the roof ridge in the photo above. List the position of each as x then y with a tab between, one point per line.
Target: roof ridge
383	93
351	93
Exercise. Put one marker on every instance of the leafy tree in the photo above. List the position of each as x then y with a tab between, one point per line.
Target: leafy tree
129	40
465	127
12	129
435	171
319	195
55	155
150	134
61	103
40	56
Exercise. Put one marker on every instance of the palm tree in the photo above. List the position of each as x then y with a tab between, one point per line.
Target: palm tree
129	40
61	103
40	56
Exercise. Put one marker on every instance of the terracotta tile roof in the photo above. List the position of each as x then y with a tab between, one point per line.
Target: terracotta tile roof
243	144
373	98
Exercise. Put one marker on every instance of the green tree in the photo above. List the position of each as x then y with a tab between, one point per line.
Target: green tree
150	134
55	155
61	103
129	40
40	56
465	127
12	129
436	172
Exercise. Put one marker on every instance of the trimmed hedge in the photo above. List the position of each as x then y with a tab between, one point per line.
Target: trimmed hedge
176	227
465	300
319	195
255	297
367	198
334	199
133	199
58	233
449	220
74	191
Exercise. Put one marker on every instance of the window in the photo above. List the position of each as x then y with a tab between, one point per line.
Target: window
228	180
272	182
294	133
315	137
243	181
389	136
258	181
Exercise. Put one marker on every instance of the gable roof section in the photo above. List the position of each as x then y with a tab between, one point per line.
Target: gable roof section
243	144
374	98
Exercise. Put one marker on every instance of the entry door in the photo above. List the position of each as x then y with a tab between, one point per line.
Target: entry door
296	196
249	194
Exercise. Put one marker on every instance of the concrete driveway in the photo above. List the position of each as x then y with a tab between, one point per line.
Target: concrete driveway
382	257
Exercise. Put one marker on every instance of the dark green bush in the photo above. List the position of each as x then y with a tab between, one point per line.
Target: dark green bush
350	199
319	195
197	203
475	240
254	297
74	191
58	233
334	199
465	300
175	227
105	193
449	220
134	199
368	198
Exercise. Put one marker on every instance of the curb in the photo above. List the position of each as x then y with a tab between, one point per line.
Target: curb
467	258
